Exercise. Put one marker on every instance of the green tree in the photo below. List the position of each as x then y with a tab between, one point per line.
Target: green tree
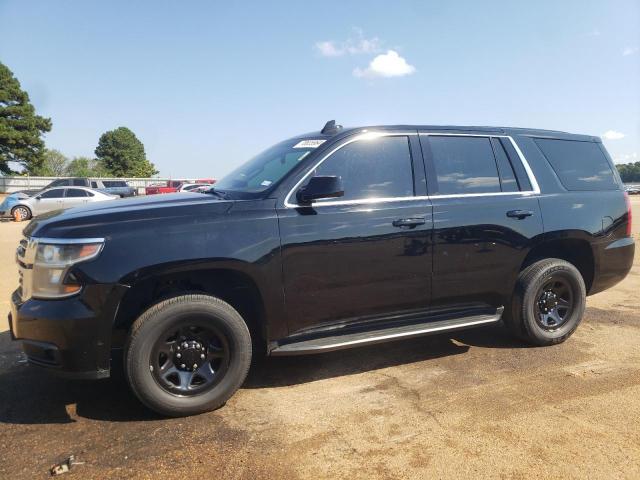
79	167
20	128
53	165
122	154
85	167
629	172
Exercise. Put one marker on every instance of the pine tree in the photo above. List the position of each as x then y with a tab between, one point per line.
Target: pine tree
20	128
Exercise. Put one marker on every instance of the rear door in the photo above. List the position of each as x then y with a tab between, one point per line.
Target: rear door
366	255
486	213
75	196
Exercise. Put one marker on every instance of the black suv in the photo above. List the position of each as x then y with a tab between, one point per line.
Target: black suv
333	239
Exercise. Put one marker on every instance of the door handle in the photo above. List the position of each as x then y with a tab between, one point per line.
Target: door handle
519	214
409	222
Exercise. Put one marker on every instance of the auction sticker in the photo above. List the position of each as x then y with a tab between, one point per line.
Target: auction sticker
309	143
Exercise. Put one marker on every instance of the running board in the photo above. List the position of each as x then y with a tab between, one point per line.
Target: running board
347	340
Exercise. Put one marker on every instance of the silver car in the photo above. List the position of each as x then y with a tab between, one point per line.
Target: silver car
57	198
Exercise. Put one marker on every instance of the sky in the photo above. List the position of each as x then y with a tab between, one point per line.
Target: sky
206	85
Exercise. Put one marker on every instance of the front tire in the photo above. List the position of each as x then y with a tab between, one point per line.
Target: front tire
548	302
20	213
187	355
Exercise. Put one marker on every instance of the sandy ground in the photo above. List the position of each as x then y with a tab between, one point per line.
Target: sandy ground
475	404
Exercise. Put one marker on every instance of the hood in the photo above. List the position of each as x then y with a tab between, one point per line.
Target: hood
98	219
11	200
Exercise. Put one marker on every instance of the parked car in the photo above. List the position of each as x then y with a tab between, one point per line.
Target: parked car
60	182
56	198
632	189
330	240
171	186
192	187
114	187
209	181
202	189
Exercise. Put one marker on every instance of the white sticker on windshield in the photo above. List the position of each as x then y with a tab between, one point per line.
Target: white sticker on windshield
266	183
309	144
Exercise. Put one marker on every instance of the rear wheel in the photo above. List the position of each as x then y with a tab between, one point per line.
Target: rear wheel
20	213
187	355
548	302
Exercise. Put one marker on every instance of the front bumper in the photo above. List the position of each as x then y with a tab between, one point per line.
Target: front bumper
72	335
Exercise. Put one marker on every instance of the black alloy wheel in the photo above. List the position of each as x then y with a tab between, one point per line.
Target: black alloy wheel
190	359
555	302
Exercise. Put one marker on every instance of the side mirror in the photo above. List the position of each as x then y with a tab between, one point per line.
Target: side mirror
320	187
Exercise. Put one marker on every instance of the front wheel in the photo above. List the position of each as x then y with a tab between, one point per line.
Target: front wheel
548	302
20	213
187	355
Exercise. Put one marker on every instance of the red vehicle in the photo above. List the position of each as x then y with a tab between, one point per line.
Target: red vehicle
171	186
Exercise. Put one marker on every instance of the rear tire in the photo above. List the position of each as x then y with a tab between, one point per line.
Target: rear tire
186	329
548	302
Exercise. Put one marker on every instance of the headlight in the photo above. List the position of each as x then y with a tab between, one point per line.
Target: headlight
52	263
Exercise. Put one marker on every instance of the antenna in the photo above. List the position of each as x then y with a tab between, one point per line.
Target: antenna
330	128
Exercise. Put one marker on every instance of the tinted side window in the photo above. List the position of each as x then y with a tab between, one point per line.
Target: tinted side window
378	168
114	183
507	177
516	163
57	193
79	182
464	165
94	184
59	183
579	165
75	193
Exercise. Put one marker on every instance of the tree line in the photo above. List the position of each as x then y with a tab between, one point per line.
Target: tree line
119	152
629	172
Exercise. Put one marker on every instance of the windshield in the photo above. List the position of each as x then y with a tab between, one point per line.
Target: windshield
268	167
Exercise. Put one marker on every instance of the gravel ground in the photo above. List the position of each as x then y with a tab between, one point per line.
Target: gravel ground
452	406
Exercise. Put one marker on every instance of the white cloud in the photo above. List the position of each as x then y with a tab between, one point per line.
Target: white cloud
329	49
626	158
629	51
387	65
354	45
612	135
594	33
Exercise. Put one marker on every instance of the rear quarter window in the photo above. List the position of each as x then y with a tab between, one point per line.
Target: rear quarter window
579	165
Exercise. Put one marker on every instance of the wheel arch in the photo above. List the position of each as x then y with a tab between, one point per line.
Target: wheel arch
233	285
571	246
22	205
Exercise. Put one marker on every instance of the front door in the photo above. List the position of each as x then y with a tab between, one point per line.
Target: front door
367	255
49	200
485	212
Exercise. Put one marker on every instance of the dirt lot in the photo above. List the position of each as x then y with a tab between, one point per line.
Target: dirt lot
476	404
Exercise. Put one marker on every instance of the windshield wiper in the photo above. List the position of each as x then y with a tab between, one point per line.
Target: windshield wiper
218	193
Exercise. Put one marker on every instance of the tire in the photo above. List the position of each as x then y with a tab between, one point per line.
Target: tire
189	316
23	211
528	318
